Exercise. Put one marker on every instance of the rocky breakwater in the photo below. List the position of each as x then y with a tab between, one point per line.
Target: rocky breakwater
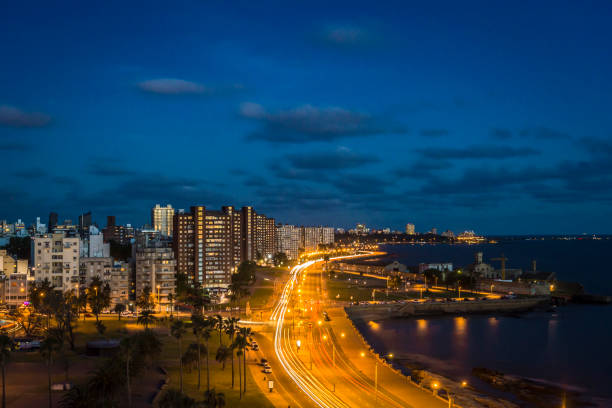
392	310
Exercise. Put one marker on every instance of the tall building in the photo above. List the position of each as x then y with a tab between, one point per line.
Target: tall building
162	219
84	223
209	245
410	229
265	233
312	237
56	257
52	221
118	233
155	267
288	239
93	245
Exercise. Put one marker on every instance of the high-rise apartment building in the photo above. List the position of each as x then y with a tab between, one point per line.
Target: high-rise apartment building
84	223
155	267
122	234
113	273
288	240
162	219
209	245
56	257
410	229
265	241
312	237
53	219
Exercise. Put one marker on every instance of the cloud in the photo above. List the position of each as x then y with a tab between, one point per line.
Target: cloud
14	147
341	158
282	171
31	173
172	86
543	133
434	132
478	152
108	168
499	133
347	36
308	123
255	181
596	147
14	117
360	184
422	168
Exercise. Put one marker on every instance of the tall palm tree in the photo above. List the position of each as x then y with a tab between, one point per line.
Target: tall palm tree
171	300
178	331
206	333
219	324
47	350
176	399
213	399
244	335
198	324
146	318
230	329
223	354
239	353
6	345
128	346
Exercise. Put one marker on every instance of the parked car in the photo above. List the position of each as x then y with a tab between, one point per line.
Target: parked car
267	370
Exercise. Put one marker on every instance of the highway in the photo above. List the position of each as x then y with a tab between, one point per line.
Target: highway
326	360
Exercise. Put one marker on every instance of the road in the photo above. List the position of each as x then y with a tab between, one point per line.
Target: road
327	361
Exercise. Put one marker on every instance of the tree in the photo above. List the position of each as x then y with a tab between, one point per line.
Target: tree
47	349
176	399
178	331
213	399
190	357
6	345
245	334
100	327
128	346
106	382
219	324
77	396
31	323
223	354
280	259
98	296
146	318
119	308
246	272
231	327
67	315
145	300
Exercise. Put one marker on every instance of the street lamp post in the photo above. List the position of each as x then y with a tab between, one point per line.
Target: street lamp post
158	298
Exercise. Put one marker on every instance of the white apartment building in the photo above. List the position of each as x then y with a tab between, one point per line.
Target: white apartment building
410	229
93	246
155	267
288	240
56	257
161	219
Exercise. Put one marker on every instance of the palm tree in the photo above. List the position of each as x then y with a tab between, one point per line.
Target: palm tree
47	349
219	323
127	349
146	318
231	328
119	308
198	324
243	343
176	399
105	382
178	331
223	354
239	353
77	397
213	399
6	344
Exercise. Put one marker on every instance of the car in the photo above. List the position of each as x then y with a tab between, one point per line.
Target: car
263	361
267	370
255	347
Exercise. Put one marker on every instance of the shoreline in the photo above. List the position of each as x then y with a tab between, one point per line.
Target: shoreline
499	390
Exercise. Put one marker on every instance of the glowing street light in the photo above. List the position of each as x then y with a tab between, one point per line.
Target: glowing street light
299	344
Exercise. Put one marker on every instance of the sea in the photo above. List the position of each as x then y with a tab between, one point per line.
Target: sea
571	346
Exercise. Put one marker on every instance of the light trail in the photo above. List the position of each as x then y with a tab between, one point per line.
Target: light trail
321	395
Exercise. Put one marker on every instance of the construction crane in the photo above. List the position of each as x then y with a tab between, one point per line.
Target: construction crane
503	260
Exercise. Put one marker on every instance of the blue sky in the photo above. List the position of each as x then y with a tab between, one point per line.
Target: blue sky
494	117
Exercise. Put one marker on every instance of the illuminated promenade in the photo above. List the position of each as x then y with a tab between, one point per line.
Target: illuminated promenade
326	361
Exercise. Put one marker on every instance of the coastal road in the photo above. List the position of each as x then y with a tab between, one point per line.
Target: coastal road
326	360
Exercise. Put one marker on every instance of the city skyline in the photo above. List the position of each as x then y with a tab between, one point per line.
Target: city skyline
353	114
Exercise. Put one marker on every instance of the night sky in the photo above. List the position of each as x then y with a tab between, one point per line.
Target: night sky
493	116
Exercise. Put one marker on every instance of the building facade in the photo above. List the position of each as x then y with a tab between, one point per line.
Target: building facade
162	219
155	267
312	237
288	240
410	229
56	257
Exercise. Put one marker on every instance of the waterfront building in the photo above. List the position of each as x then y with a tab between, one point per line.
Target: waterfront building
312	237
154	267
288	240
162	219
410	229
441	266
448	234
56	257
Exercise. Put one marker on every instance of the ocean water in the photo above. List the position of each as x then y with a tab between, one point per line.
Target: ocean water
570	347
